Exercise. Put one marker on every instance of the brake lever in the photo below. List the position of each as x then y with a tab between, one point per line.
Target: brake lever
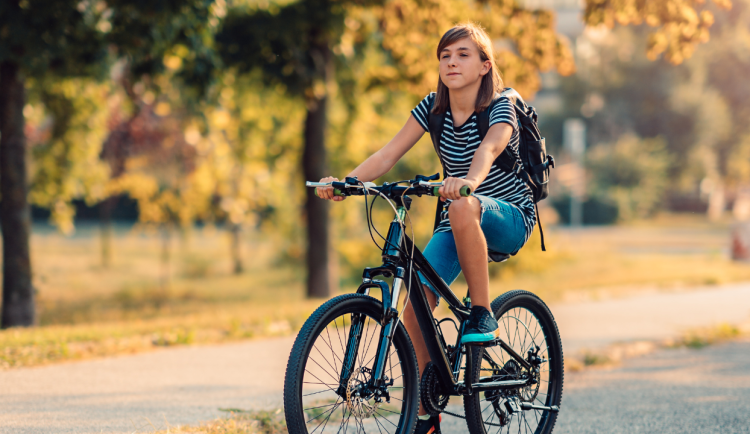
422	178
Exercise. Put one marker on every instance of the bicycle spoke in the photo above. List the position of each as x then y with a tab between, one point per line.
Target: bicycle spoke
522	332
324	370
386	419
325	361
325	423
379	425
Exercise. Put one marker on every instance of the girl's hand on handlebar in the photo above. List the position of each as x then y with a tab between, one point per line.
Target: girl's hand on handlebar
327	192
451	188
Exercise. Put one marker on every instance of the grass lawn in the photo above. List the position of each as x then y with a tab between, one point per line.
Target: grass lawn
138	303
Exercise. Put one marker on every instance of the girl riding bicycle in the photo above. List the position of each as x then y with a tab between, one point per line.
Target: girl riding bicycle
499	215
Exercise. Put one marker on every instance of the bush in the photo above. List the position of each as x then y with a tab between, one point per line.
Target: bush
631	174
596	211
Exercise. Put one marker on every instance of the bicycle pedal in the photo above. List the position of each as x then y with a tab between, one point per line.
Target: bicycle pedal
491	343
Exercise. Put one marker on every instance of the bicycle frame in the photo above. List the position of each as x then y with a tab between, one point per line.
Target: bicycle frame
397	266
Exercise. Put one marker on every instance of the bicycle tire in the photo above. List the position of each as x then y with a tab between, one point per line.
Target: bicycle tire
510	306
296	370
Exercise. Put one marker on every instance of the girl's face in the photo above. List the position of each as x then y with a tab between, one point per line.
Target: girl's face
461	65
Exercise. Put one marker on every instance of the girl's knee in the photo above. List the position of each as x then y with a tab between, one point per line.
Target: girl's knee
465	209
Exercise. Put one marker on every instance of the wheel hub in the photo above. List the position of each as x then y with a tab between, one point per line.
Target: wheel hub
358	396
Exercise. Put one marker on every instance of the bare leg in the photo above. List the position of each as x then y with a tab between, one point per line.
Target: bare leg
415	333
464	215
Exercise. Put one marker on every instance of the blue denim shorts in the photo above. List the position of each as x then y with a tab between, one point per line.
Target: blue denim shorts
503	226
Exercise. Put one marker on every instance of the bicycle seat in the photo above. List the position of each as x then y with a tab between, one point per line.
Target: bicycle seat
497	256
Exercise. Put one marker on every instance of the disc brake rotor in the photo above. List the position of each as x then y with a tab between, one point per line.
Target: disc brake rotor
359	405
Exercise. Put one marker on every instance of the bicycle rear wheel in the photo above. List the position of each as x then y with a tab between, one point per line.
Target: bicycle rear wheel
525	324
322	396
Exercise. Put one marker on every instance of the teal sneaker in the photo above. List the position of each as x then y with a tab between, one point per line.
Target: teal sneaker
481	327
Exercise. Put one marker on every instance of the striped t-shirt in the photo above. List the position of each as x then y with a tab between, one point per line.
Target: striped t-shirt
457	148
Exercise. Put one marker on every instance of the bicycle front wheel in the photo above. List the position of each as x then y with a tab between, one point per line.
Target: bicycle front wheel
525	324
328	384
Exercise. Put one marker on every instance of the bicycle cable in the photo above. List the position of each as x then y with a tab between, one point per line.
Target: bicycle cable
409	257
411	262
370	225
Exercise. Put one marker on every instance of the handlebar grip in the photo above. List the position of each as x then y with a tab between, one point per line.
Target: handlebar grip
464	192
336	192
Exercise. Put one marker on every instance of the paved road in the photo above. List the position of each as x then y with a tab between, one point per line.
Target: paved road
186	385
670	391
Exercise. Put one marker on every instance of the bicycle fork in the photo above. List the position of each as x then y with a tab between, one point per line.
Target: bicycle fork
376	382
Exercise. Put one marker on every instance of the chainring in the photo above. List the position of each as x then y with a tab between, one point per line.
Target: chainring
432	393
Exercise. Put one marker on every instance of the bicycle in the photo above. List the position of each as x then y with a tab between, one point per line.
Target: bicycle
338	375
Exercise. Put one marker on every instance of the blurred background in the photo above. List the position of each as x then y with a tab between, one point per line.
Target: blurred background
153	156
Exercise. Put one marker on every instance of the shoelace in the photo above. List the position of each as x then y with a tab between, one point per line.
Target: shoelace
476	319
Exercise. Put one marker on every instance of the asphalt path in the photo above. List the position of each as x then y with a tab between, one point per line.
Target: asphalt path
686	391
144	392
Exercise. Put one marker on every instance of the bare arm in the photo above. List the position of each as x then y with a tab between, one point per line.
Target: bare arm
379	163
492	146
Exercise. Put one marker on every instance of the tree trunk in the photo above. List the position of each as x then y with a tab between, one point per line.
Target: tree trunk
105	229
166	242
321	278
18	294
314	168
236	246
716	202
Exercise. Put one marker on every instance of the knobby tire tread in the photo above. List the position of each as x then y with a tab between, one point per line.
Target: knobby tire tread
474	421
292	377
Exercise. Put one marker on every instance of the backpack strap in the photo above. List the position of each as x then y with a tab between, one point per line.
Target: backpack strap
506	161
436	123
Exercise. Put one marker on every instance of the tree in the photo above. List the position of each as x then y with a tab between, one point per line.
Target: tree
308	61
158	168
69	38
54	36
304	63
697	108
680	25
410	31
66	125
248	129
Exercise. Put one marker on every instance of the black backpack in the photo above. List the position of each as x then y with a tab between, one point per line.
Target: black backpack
536	164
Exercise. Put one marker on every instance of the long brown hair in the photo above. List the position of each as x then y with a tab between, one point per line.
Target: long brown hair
491	82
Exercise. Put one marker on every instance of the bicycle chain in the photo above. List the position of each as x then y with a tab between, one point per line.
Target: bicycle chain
460	416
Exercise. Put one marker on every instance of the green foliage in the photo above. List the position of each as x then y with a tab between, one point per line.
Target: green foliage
410	31
631	173
143	43
248	156
698	108
64	37
596	210
680	24
262	40
66	125
73	37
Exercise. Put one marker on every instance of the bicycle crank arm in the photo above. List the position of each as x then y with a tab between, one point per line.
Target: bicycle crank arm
496	385
527	406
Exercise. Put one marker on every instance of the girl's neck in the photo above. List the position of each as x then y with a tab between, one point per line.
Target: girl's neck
464	100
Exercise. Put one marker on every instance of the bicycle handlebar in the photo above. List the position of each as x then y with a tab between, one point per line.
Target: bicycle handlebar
392	190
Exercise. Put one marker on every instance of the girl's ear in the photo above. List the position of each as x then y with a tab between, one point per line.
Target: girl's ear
486	67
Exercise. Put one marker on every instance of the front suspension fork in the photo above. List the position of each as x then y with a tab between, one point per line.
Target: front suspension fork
389	324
